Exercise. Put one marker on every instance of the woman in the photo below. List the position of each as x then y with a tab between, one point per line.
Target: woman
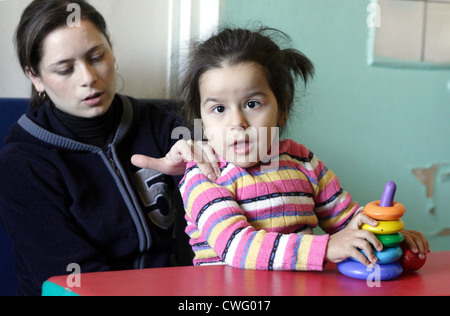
68	191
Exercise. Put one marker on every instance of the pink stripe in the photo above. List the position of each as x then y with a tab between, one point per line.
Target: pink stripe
265	251
289	146
206	197
189	185
344	204
225	235
287	185
334	228
317	253
332	187
240	248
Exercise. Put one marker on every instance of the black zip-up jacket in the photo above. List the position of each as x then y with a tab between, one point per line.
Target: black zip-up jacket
65	202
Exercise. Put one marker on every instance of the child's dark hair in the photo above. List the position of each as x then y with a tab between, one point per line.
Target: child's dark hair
235	46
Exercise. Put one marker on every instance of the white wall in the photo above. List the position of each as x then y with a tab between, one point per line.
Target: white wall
142	33
13	82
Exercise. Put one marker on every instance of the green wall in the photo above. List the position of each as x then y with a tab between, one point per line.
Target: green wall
368	124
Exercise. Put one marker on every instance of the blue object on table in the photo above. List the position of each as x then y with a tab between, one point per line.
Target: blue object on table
357	270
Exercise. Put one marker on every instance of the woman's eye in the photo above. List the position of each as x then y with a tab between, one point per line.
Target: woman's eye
65	72
97	58
219	109
253	104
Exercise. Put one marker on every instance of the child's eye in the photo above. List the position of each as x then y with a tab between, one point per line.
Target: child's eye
253	104
219	109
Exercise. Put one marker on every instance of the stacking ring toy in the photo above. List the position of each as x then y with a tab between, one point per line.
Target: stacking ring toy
386	209
359	271
390	241
386	256
391	213
385	227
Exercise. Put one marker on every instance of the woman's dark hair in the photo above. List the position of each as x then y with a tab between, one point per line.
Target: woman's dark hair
38	20
235	46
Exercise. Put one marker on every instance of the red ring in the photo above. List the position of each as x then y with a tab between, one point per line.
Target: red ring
392	213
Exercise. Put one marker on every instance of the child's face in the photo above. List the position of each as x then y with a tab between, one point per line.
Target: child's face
239	112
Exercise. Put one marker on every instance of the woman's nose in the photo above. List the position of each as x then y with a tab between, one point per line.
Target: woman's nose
88	76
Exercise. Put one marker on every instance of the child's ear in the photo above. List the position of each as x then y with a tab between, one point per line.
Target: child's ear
282	119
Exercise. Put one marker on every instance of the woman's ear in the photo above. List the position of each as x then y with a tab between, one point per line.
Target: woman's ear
36	80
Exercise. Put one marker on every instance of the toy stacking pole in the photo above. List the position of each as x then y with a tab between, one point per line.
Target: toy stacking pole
394	258
388	195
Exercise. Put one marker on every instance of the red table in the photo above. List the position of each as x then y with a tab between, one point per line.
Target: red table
433	279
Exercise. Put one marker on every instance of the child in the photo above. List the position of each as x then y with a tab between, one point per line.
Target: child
260	215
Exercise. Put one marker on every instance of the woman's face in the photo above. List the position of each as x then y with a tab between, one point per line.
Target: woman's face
77	70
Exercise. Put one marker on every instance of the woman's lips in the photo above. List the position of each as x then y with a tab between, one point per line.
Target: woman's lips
94	99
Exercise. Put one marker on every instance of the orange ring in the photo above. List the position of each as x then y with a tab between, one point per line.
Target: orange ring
392	213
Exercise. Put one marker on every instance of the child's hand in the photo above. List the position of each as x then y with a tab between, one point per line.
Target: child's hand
346	243
174	163
416	242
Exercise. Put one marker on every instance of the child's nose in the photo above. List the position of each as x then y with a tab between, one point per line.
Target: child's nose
239	120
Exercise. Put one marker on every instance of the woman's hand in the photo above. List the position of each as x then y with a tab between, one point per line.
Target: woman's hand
416	242
346	243
174	163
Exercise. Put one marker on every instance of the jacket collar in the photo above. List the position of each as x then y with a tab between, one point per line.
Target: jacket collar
57	135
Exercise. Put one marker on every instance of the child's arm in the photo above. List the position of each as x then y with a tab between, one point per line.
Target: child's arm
222	223
337	212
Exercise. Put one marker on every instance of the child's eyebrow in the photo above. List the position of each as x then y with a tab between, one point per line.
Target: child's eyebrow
211	99
256	94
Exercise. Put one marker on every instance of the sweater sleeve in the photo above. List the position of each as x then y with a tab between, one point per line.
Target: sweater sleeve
334	206
45	239
216	218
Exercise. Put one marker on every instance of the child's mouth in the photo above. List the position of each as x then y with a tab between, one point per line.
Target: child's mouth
242	147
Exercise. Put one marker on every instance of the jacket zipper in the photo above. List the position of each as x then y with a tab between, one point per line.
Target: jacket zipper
113	164
127	193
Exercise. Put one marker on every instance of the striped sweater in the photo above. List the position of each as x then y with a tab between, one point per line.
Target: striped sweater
262	219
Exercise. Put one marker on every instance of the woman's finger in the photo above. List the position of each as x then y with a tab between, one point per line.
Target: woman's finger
143	162
163	165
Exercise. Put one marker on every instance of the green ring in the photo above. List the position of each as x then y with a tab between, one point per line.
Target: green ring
390	241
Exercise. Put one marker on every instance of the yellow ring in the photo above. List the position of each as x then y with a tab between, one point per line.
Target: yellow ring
391	213
385	227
